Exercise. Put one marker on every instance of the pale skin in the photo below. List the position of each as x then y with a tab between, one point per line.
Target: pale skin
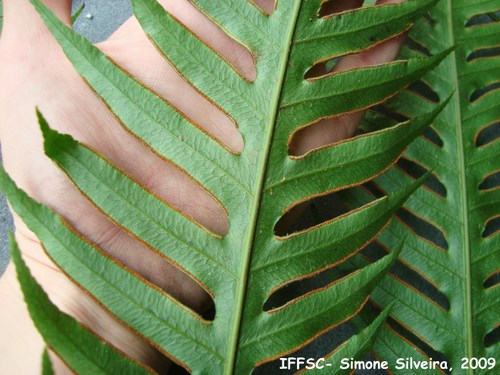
35	73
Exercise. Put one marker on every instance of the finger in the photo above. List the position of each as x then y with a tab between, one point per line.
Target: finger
144	62
333	130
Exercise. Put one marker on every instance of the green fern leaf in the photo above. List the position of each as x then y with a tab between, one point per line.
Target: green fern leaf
256	187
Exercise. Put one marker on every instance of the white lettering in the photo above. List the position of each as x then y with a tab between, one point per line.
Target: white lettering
344	364
320	363
283	366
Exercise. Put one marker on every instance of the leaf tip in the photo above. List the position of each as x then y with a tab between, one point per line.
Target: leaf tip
394	255
447	52
53	141
382	317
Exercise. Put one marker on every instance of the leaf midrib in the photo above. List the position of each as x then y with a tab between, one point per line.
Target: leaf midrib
234	333
469	348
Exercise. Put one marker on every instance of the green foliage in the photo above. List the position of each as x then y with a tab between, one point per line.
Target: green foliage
242	268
